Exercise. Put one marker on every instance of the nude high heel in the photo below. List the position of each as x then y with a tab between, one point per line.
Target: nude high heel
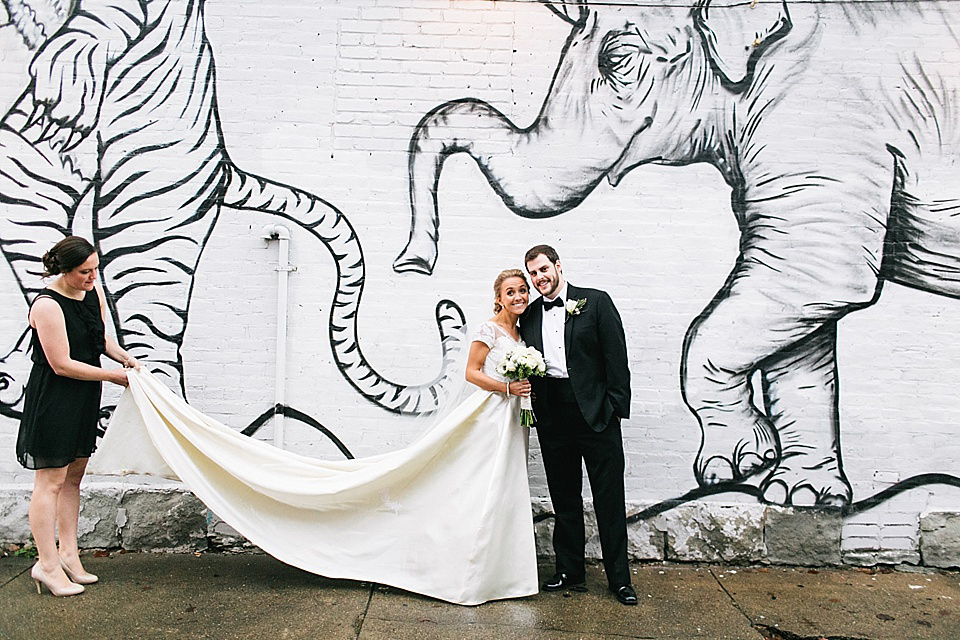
79	578
41	578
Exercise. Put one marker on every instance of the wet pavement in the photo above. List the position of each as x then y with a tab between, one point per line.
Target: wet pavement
224	596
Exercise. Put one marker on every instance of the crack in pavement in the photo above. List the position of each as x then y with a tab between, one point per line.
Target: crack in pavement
361	617
774	633
733	601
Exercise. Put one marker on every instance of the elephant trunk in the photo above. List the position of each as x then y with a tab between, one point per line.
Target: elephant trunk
532	170
325	222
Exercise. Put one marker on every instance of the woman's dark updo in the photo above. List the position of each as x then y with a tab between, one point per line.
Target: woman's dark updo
66	255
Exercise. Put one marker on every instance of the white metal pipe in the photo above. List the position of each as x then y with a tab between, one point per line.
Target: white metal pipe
282	235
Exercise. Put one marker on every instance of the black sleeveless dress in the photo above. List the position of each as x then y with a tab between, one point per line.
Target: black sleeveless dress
59	422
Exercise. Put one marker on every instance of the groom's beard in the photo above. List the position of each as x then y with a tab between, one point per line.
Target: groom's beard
552	286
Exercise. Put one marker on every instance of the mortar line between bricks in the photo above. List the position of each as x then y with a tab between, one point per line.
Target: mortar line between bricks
358	624
733	601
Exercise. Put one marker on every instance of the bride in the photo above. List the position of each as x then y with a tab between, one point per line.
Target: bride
448	516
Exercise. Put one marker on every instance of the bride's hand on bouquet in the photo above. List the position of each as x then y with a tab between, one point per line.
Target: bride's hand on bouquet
520	388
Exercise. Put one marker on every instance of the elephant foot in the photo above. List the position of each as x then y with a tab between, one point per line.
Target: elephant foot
725	457
418	257
821	485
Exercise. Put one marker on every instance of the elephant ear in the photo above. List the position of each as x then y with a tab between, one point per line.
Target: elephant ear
736	35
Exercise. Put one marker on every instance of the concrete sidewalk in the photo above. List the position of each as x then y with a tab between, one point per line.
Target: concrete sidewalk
143	596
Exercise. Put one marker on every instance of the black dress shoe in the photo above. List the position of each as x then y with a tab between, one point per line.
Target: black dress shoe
562	581
625	594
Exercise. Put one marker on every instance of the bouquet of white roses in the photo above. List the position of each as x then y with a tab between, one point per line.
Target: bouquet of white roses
521	363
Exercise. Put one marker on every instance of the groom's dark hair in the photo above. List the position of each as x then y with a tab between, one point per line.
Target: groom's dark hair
541	249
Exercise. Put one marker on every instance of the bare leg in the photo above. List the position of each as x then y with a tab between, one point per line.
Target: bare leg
47	485
68	515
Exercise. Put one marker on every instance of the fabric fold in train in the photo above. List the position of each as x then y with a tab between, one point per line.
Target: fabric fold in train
448	516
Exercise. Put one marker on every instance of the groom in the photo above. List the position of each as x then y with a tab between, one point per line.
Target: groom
578	407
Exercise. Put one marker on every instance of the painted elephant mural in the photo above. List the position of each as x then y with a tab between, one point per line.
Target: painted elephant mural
831	200
116	136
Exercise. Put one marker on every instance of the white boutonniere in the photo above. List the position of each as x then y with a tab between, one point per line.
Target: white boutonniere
574	307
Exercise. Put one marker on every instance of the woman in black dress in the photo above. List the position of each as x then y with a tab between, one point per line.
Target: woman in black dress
58	430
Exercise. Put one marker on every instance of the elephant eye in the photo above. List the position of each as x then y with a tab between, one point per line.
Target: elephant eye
619	58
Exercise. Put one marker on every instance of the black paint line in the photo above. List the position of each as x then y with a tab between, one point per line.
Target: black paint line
666	505
694	494
856	508
290	412
10	411
904	485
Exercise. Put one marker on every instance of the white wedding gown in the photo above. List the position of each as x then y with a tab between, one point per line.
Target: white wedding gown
448	516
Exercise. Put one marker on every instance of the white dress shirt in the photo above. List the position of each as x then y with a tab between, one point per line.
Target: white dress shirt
554	350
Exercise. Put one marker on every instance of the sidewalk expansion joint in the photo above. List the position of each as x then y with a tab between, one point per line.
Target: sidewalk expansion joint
733	601
362	616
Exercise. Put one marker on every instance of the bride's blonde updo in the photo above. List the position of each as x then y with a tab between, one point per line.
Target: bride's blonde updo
504	275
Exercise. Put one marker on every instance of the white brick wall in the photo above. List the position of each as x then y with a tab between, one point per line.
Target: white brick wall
326	99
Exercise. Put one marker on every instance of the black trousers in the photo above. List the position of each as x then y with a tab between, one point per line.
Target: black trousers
565	440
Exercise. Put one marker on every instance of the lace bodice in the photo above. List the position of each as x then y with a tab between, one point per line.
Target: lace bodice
499	341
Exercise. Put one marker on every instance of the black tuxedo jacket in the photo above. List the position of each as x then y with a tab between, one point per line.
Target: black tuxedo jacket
596	355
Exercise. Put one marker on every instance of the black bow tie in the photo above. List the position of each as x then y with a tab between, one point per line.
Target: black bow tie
550	304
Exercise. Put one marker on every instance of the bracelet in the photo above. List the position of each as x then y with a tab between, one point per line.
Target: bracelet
508	388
